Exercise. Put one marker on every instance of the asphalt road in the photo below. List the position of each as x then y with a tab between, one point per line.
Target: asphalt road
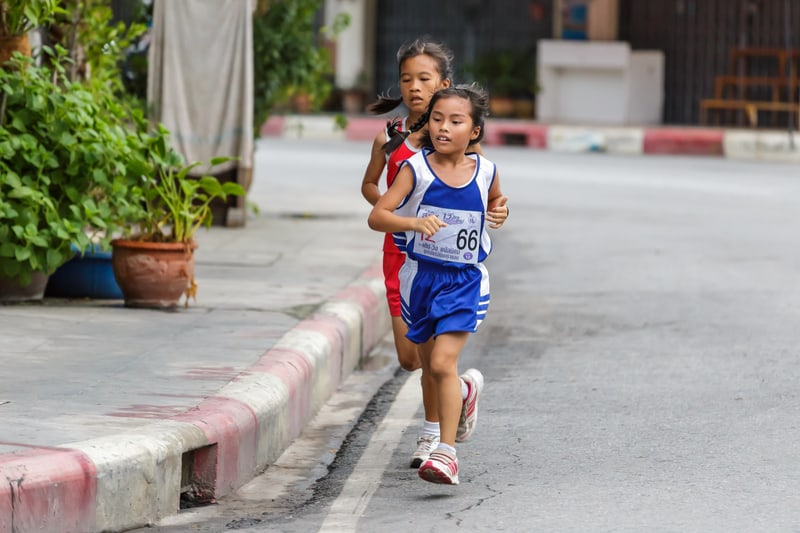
640	357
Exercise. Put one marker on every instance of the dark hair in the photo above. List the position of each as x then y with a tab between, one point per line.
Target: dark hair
479	103
421	46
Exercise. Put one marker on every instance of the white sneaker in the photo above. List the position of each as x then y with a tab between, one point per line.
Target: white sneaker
469	410
425	445
441	467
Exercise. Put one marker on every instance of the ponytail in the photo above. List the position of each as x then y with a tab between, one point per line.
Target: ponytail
384	104
397	137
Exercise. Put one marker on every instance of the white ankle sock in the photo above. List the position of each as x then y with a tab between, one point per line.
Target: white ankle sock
430	429
464	390
447	448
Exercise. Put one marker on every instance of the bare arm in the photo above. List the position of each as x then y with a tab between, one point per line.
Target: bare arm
382	218
370	188
497	211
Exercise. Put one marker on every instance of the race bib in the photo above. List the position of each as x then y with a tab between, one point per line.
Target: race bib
458	242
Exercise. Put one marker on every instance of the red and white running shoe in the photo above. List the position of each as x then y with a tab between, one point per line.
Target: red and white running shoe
441	467
469	411
425	445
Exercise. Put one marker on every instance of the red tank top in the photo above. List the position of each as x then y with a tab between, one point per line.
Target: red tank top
400	154
393	162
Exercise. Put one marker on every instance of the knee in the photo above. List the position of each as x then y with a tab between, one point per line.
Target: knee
408	359
442	370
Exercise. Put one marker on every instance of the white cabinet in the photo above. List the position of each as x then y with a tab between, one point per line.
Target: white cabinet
599	82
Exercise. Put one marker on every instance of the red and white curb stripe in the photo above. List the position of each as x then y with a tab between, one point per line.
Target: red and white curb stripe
133	479
742	144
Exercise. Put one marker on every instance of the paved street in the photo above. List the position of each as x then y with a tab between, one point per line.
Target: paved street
640	356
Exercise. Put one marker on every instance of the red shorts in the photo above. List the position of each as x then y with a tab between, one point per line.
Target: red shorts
392	261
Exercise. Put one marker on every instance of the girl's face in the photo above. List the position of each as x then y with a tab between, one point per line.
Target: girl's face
419	79
450	125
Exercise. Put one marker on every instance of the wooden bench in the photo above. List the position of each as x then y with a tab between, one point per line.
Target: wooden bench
742	58
775	70
781	88
750	108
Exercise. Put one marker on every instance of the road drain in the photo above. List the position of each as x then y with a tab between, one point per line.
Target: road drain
198	476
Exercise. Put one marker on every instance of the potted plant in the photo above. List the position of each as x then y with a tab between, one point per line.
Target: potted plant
67	167
94	49
17	18
510	78
153	261
292	65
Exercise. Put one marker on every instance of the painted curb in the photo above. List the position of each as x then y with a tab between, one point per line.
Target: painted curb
131	480
574	139
647	140
514	132
762	146
364	128
683	141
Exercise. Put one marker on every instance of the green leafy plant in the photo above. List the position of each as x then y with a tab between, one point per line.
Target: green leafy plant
69	159
18	17
507	73
96	45
289	60
174	204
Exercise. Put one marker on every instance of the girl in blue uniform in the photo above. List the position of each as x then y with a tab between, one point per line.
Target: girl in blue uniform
447	199
424	67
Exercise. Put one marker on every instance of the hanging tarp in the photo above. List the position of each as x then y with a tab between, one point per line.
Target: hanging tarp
200	79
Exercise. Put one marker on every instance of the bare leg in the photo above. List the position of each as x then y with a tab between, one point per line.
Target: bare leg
408	356
440	358
407	353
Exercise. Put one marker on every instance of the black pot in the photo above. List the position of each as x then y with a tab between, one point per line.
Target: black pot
11	291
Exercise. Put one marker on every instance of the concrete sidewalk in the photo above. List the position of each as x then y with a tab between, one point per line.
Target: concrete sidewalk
111	415
735	143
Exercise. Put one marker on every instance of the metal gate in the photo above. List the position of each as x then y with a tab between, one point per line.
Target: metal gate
697	37
469	28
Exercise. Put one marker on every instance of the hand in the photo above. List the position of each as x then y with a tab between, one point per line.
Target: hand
497	212
428	225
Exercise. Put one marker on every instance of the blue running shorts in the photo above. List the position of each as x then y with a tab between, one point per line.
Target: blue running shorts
437	299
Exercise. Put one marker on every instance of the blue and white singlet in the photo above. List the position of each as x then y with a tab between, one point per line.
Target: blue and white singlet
465	240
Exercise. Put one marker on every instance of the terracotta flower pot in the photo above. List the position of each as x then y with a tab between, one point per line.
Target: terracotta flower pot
153	274
353	101
524	108
501	106
301	103
14	43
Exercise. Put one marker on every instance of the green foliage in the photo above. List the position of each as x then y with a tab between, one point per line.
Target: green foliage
174	205
506	73
77	163
87	24
68	160
21	16
95	47
288	59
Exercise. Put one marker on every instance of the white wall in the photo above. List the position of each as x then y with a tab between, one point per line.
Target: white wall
351	43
